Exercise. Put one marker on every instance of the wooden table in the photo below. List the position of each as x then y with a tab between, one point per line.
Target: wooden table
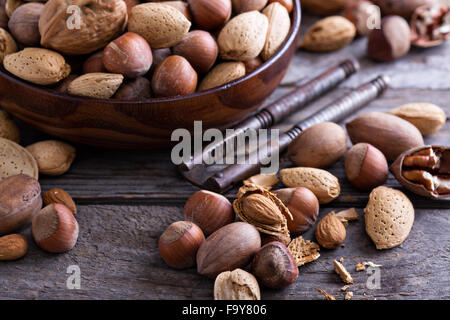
127	199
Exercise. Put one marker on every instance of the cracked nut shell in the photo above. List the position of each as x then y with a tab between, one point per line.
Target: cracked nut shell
236	285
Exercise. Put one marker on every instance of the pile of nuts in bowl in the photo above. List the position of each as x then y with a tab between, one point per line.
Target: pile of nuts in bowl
133	51
264	245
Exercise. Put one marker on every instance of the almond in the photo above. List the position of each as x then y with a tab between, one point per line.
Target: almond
161	25
279	26
329	34
36	65
389	217
7	44
96	85
381	130
222	74
53	157
14	160
57	195
8	128
427	117
13	247
323	184
243	37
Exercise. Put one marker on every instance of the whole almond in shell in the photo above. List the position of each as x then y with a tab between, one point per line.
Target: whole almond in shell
96	85
243	37
8	128
99	23
13	247
324	7
14	160
279	26
36	65
221	74
53	157
390	134
60	196
329	34
232	246
427	117
323	184
161	25
7	44
236	285
389	217
20	200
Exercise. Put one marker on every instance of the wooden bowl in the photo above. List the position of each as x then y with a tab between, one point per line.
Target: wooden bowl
150	123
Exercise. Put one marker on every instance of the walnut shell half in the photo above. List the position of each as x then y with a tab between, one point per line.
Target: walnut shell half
76	27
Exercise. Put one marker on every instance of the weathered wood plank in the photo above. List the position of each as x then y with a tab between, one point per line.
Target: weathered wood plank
118	257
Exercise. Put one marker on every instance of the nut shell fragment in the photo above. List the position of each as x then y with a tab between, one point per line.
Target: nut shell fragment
236	285
342	272
304	251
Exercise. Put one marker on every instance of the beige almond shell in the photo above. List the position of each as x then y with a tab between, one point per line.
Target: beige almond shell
96	85
236	285
100	22
53	157
13	247
304	251
15	160
329	34
7	44
389	217
427	117
279	26
161	25
323	184
221	74
8	128
274	229
243	37
37	65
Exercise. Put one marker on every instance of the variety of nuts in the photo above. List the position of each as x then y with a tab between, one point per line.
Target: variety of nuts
318	146
303	205
16	160
53	157
363	14
389	216
210	14
381	129
330	232
366	166
20	200
329	34
427	117
236	285
221	74
13	247
232	246
23	23
210	211
279	26
430	25
55	229
303	251
391	41
424	170
60	196
8	128
274	266
323	184
178	245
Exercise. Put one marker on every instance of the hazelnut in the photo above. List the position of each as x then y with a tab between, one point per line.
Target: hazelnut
178	245
210	211
391	41
288	4
173	77
366	166
57	195
129	55
159	55
94	63
330	232
136	89
303	205
240	6
274	266
318	146
363	14
55	229
24	22
252	64
210	14
199	48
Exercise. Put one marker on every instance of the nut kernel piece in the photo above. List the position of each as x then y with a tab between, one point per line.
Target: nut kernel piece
326	294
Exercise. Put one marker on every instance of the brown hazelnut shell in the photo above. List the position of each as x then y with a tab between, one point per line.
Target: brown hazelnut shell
419	189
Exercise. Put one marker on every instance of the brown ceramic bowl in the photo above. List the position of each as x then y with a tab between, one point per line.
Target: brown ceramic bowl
145	124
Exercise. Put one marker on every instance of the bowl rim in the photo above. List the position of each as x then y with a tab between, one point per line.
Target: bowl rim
292	36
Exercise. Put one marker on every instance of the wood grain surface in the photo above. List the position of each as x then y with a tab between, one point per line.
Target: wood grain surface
127	199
